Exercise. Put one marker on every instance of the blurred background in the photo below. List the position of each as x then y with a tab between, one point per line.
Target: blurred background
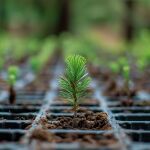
112	26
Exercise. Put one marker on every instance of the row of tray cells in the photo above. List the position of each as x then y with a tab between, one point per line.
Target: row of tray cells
16	119
134	120
59	108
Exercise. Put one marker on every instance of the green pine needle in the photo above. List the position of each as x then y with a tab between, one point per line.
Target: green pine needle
74	83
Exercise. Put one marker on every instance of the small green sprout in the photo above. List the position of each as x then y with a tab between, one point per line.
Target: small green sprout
35	64
12	77
74	83
12	74
126	75
114	67
126	72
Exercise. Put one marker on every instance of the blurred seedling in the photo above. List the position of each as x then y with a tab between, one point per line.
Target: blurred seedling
12	77
114	66
122	61
141	64
126	75
35	64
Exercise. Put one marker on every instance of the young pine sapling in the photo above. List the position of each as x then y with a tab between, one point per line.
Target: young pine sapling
126	75
12	76
75	81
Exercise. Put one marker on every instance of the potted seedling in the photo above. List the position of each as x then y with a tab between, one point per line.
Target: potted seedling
12	76
73	88
127	91
75	81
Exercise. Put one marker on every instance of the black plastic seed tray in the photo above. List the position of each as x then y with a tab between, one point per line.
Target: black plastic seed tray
16	119
104	140
19	109
63	109
34	95
139	136
34	110
133	109
11	135
135	125
133	117
14	124
27	98
135	122
23	116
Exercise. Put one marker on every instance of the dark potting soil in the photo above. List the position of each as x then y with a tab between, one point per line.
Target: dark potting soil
86	120
88	139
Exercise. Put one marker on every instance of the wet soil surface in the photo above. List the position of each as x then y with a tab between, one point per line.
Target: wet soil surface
84	120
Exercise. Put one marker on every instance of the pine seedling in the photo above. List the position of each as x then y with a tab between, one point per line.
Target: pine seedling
126	75
35	64
12	77
75	81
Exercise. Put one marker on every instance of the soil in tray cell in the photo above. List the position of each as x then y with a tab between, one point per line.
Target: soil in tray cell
85	120
85	140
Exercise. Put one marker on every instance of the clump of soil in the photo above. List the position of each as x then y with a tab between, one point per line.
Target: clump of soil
85	121
89	139
42	135
84	139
